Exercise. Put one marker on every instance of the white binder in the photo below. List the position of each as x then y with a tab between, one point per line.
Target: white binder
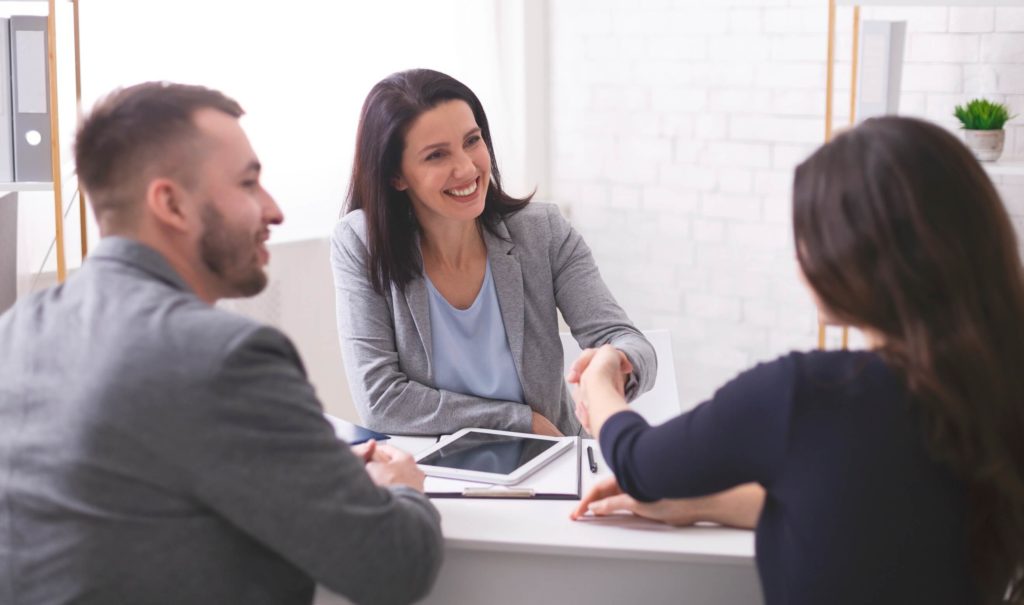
31	99
6	119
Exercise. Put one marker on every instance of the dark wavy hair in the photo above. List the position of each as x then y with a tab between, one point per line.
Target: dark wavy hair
899	229
388	113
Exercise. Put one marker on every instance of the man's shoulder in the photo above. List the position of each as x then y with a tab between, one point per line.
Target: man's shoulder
205	336
205	323
156	320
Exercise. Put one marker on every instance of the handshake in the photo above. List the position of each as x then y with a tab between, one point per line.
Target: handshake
600	377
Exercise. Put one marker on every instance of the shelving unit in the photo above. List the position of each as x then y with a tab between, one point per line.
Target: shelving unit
1005	168
57	186
6	188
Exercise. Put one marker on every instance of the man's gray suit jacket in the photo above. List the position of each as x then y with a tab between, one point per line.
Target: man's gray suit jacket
155	449
540	265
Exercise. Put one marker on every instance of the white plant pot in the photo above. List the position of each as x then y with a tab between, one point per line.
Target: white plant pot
987	145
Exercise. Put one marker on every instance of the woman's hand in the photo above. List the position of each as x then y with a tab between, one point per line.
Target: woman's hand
600	375
542	426
606	497
587	357
736	507
581	412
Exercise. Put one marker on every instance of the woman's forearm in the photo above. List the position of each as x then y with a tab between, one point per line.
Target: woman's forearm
602	403
736	507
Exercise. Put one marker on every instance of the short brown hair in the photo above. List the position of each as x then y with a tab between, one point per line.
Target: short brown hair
139	132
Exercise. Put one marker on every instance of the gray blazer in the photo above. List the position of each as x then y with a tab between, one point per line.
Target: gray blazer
540	265
155	449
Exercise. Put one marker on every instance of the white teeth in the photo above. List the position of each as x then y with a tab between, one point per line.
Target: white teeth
463	192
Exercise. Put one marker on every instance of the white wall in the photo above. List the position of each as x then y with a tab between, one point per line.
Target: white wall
301	69
675	129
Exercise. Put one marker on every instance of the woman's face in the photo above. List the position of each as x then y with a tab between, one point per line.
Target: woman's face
445	165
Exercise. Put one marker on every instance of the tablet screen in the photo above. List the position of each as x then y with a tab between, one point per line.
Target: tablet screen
488	453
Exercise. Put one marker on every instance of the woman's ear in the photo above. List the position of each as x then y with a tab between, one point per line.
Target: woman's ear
398	182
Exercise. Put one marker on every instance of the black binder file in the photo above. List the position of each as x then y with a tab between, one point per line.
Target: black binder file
31	99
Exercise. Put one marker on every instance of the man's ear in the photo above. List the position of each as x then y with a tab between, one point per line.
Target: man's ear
398	182
167	202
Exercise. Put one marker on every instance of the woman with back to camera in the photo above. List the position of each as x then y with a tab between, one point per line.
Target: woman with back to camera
891	475
448	288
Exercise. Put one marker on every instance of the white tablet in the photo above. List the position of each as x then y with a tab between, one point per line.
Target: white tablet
491	456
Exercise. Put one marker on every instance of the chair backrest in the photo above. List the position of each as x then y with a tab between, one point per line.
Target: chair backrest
662	401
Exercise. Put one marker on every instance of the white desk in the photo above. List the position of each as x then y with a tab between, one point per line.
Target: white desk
519	551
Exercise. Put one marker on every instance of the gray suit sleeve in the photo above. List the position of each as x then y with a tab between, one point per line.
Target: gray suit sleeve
590	310
387	399
267	461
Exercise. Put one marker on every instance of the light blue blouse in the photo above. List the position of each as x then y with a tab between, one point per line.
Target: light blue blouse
471	351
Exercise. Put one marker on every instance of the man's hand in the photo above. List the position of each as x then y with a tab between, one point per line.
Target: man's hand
366	450
542	426
391	466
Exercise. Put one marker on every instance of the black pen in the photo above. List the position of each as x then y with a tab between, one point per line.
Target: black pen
590	458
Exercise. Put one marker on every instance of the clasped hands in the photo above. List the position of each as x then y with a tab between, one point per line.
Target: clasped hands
387	465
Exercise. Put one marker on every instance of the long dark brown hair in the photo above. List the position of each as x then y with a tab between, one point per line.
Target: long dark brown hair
388	112
899	230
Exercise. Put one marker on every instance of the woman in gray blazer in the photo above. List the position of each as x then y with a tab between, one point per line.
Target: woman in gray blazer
448	289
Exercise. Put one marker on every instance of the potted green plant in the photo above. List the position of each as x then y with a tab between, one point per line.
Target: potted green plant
983	123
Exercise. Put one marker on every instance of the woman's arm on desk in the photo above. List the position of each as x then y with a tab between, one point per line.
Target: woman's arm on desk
738	437
736	507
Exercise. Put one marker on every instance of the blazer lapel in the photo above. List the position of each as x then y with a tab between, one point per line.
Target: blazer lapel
418	302
508	283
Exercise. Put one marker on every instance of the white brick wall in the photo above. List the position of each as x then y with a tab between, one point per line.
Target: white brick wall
676	126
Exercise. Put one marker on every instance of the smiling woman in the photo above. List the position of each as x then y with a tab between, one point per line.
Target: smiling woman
444	281
445	166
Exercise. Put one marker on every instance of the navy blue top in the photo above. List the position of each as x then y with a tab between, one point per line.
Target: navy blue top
856	510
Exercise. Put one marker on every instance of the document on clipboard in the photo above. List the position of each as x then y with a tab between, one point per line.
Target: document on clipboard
560	479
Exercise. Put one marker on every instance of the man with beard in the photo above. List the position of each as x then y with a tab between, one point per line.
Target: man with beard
156	449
